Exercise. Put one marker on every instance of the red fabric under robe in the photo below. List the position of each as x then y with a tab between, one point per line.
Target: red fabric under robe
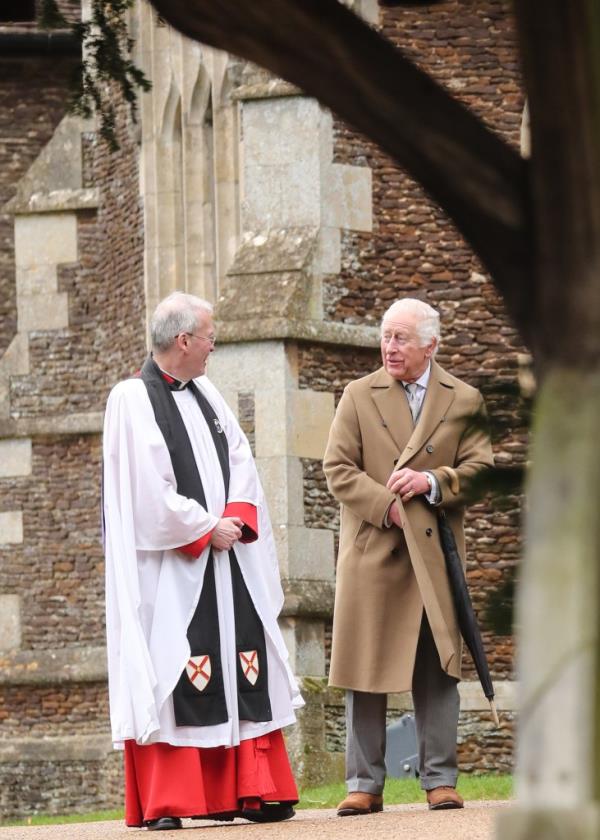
166	781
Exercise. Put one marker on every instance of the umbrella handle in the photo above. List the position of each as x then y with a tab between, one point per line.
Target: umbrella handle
495	714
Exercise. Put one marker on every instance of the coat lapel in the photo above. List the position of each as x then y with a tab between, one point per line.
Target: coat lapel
390	399
438	399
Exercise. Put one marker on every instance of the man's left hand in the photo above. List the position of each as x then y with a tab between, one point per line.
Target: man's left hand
408	483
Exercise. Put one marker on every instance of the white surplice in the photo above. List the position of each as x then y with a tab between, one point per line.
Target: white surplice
152	589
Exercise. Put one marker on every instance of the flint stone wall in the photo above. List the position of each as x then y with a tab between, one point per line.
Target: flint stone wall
56	572
32	101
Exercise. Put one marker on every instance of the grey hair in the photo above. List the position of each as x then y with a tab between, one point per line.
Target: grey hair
427	319
175	314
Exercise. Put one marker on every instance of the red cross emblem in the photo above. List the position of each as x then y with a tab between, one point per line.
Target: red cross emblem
199	671
249	661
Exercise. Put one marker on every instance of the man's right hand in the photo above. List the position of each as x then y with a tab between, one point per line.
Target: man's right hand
394	515
226	533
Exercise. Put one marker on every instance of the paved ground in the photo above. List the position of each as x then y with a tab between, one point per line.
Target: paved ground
397	822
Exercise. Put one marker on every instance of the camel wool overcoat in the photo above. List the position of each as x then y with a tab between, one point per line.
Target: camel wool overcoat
386	576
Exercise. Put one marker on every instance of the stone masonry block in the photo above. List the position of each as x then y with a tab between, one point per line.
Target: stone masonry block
301	194
347	198
45	239
368	10
279	132
10	622
37	280
262	198
281	196
15	361
272	423
281	478
310	416
305	553
328	255
295	422
305	641
11	527
43	312
15	457
249	366
282	165
58	167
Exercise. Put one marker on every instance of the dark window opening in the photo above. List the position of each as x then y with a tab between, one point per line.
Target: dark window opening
17	11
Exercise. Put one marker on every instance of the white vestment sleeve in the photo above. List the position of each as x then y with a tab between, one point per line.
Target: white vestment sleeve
134	449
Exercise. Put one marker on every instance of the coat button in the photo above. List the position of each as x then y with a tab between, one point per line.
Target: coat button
429	532
429	448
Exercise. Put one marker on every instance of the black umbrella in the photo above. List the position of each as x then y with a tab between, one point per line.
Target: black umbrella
465	613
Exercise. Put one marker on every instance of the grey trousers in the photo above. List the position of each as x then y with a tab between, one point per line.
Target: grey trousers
436	702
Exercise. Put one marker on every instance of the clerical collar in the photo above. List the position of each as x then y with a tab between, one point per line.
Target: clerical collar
173	383
423	380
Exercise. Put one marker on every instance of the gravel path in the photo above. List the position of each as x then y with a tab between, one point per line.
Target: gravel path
397	822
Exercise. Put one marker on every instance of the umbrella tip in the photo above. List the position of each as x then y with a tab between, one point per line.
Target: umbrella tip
495	713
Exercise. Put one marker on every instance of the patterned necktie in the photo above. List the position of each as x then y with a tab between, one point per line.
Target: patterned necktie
412	391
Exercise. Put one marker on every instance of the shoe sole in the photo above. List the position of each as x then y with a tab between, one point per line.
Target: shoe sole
225	816
359	812
262	816
174	827
446	806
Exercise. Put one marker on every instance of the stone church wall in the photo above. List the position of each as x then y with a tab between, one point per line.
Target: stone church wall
32	102
52	573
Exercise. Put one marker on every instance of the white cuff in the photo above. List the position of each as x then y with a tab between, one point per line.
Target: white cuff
434	496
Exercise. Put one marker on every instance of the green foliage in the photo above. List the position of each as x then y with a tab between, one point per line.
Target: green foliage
106	50
50	16
404	791
59	819
397	792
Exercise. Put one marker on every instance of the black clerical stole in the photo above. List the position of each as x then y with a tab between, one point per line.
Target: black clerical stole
199	696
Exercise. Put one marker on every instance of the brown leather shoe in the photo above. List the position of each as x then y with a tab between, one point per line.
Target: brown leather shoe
443	798
358	803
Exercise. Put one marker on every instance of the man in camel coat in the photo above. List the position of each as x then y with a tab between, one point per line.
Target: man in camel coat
413	432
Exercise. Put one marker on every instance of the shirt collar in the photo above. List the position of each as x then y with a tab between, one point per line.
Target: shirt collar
172	381
423	380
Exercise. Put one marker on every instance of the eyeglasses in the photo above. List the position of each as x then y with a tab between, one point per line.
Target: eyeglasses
210	338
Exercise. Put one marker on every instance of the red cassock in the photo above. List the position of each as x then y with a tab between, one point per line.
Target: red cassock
162	780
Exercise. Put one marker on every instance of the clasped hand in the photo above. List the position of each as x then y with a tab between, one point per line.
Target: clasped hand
226	533
408	483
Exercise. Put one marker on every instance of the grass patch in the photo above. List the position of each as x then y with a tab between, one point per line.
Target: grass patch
59	819
403	791
397	792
